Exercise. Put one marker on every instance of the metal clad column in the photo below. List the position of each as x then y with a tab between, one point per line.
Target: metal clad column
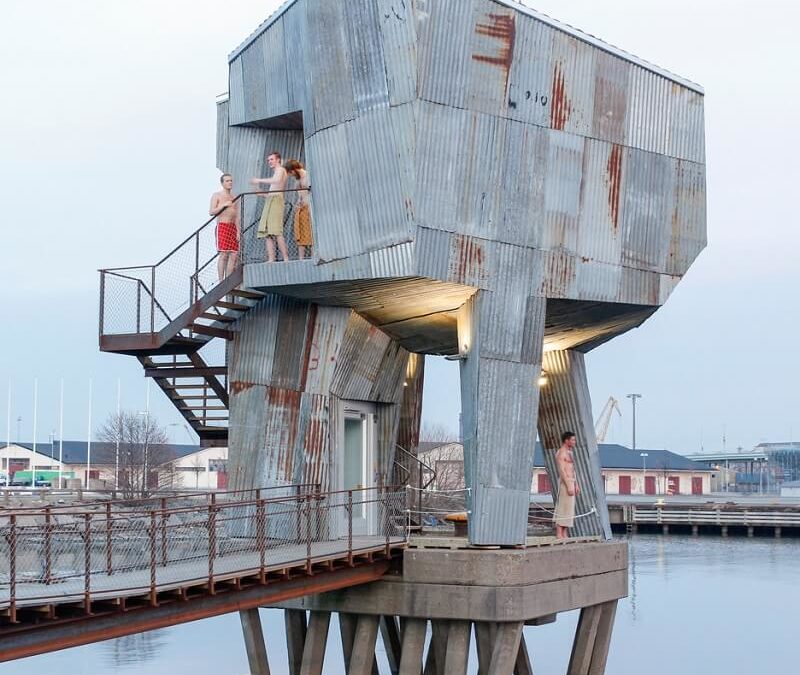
500	336
565	406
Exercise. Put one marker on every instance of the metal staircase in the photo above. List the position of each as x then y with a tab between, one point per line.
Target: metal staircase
175	317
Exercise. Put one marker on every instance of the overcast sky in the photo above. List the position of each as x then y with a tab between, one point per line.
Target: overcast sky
107	158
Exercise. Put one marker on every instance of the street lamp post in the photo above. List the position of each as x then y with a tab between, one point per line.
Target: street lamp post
644	456
633	398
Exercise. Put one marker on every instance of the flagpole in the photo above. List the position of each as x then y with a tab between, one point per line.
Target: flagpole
8	434
35	422
118	432
89	438
61	437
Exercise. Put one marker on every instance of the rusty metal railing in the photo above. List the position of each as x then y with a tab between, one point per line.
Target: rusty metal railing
100	551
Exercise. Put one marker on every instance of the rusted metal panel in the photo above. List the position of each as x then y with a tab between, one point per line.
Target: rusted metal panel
365	47
360	359
222	135
246	437
399	40
687	232
312	456
565	405
282	416
236	108
393	261
295	323
573	85
326	341
254	345
491	53
388	385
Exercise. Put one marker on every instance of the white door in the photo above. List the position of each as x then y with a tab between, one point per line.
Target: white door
357	441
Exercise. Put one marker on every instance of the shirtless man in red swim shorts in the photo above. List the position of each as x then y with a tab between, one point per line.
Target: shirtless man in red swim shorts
228	233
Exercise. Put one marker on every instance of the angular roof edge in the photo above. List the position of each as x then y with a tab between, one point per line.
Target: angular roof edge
525	9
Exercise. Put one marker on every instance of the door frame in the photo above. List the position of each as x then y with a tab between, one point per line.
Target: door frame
367	412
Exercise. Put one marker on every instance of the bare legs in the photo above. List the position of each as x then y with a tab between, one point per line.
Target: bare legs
301	252
562	532
226	263
284	250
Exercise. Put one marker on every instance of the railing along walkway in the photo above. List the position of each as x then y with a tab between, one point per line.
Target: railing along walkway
671	516
95	553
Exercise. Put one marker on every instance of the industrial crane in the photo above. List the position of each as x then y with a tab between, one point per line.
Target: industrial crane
601	426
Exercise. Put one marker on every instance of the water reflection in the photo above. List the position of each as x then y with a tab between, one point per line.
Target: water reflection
134	649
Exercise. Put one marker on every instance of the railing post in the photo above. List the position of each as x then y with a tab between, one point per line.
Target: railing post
102	301
308	534
212	545
48	551
152	533
350	528
196	276
138	305
261	538
298	503
12	570
109	539
386	515
87	563
164	531
153	299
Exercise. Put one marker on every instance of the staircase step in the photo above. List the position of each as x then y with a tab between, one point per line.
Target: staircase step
224	318
172	373
203	407
232	305
212	331
246	293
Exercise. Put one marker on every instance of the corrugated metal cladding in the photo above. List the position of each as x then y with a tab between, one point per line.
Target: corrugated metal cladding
565	406
497	59
500	400
222	135
290	361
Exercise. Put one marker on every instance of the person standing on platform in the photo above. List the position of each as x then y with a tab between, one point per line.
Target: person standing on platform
270	227
568	487
302	214
225	208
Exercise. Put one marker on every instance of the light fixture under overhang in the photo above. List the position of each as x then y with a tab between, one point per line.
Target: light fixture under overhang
542	381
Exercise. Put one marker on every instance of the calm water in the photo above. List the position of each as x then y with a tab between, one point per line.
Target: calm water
697	606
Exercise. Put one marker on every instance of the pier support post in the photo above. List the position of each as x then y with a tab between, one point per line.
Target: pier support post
724	531
390	633
665	529
523	665
602	641
254	642
500	403
295	621
506	648
777	533
585	636
457	653
363	656
695	530
484	638
565	405
316	640
414	631
750	531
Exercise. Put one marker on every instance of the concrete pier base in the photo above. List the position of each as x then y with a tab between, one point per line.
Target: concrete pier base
427	614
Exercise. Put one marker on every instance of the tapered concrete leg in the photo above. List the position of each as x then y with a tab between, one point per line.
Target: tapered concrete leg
484	639
602	642
295	620
499	403
523	665
585	636
363	656
390	633
506	647
347	629
316	640
457	653
414	631
254	642
437	649
565	405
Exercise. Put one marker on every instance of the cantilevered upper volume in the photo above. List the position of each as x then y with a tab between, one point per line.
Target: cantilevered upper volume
478	144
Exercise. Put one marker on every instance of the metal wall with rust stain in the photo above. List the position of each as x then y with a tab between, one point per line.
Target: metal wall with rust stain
564	405
291	362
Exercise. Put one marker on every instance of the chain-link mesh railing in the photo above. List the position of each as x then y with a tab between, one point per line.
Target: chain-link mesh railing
116	549
145	299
